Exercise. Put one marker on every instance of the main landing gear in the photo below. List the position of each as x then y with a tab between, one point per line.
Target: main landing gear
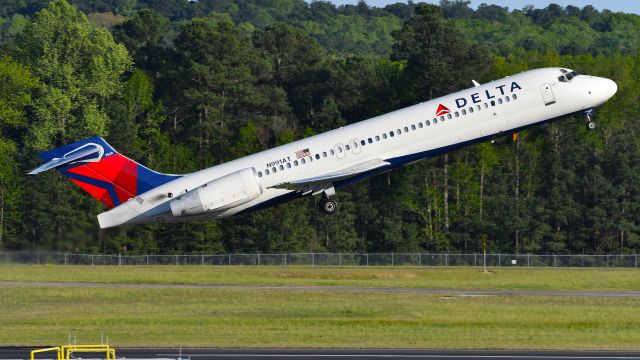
588	114
328	204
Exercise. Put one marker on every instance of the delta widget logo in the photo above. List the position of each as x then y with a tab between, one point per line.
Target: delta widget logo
442	110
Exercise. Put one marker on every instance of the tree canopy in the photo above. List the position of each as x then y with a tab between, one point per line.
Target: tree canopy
181	85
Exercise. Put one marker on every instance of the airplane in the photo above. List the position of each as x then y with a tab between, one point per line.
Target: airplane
320	164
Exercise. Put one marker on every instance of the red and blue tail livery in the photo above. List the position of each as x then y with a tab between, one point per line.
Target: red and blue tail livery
101	171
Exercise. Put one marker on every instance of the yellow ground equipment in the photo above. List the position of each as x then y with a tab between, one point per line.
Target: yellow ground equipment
64	352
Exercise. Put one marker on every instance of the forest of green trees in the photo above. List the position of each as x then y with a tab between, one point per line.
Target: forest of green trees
181	85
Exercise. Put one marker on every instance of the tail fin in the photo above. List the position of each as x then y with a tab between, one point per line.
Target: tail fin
101	171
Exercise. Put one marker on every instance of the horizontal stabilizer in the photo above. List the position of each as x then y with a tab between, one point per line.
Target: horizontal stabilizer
87	153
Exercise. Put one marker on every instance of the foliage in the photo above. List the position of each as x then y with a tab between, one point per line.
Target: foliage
181	85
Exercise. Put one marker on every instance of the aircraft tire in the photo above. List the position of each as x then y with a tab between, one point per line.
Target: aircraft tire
328	206
591	125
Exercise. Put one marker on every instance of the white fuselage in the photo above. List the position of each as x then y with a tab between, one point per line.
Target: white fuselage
504	105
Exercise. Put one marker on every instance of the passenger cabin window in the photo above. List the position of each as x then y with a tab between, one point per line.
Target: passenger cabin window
428	123
413	127
514	96
288	165
420	125
274	170
259	173
347	147
317	156
377	138
266	172
370	140
295	163
362	142
281	167
324	154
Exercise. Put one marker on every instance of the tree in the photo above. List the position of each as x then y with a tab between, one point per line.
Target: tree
80	67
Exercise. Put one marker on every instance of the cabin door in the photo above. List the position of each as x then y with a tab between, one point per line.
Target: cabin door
547	94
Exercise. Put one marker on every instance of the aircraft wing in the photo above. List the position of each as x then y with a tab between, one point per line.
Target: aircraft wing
320	182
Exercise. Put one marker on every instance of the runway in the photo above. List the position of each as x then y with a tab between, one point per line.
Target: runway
449	292
336	354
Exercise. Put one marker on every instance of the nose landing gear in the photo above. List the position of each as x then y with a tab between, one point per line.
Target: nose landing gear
589	115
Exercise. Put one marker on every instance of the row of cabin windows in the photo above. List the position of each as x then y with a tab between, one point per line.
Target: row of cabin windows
384	136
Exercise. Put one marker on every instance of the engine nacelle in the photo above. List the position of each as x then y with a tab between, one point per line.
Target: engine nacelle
220	194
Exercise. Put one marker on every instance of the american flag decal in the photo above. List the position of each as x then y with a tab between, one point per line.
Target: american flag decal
302	153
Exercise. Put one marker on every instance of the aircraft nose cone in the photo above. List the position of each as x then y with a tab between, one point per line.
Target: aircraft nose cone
610	88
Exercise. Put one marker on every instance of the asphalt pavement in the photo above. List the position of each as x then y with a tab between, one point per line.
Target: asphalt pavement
336	354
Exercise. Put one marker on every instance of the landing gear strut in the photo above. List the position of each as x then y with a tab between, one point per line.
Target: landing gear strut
328	204
591	124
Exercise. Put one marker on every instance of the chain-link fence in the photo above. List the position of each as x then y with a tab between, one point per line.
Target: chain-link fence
327	259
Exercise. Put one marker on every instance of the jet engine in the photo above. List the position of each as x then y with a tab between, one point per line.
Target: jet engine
220	194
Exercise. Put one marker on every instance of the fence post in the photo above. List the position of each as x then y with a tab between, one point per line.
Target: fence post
229	259
636	260
475	260
258	259
201	259
420	259
392	262
446	260
367	258
554	260
499	262
607	261
340	259
528	260
92	263
119	259
65	259
285	259
313	259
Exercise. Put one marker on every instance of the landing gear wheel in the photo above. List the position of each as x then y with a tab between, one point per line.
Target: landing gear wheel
328	206
591	124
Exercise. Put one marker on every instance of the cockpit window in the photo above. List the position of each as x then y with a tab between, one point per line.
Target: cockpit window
567	75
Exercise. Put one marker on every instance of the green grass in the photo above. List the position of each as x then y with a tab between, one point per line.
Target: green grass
265	318
230	318
443	278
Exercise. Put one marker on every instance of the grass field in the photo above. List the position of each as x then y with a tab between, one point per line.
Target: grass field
261	318
443	278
